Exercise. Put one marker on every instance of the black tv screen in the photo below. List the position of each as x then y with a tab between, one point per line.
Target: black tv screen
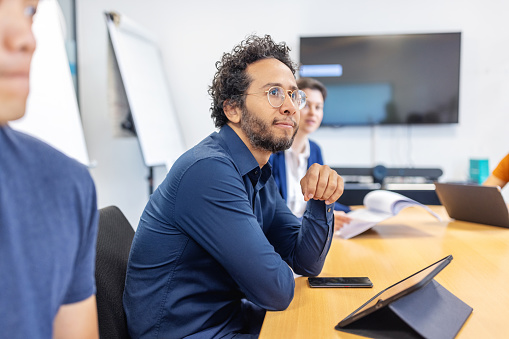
386	79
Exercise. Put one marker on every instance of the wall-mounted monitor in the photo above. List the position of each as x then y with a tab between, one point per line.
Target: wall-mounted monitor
386	79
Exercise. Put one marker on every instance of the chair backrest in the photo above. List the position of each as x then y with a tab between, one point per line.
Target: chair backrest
114	240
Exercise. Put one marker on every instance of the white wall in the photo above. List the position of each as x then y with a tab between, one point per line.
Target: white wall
194	34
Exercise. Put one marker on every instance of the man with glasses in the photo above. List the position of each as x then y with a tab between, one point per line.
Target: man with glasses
216	244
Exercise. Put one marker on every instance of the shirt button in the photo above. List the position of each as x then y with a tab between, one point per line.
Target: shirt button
328	210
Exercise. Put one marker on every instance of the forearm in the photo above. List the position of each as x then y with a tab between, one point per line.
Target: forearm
494	181
314	239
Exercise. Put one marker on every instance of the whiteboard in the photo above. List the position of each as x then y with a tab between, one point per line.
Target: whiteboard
52	113
142	72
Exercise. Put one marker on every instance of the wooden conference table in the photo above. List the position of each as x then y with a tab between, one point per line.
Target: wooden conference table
390	252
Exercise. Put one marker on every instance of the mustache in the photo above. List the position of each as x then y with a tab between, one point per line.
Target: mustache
289	120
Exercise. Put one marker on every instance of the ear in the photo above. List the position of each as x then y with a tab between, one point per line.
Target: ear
232	111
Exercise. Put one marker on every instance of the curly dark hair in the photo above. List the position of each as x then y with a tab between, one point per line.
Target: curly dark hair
231	80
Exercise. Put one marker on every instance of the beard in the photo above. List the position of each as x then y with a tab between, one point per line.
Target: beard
260	136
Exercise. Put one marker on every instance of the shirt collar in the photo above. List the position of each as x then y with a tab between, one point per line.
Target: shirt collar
243	158
241	155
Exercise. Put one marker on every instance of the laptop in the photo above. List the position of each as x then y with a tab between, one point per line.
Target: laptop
474	203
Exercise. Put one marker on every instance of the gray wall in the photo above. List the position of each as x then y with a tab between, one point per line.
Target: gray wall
194	34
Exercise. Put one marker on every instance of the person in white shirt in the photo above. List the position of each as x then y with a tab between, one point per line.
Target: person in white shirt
290	166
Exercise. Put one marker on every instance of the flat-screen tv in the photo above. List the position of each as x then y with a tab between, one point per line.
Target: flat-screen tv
386	79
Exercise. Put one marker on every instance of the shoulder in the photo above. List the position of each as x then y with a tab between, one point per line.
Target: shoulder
505	160
34	157
276	157
314	146
503	165
202	165
315	153
207	155
38	149
502	169
211	166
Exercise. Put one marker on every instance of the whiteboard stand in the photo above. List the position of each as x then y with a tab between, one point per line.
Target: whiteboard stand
140	65
150	179
128	123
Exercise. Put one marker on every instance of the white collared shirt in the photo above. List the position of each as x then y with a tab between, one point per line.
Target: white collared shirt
296	168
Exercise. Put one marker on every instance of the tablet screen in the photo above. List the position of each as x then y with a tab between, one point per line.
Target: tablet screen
398	290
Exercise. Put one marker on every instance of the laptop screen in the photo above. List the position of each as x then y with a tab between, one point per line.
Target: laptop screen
474	203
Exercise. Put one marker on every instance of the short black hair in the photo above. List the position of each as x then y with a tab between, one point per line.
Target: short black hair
231	80
311	83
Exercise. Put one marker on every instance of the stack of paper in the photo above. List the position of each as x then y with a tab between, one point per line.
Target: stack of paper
379	206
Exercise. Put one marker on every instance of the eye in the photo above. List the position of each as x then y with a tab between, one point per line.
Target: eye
275	91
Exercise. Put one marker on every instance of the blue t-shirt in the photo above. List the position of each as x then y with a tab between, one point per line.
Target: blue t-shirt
216	242
48	229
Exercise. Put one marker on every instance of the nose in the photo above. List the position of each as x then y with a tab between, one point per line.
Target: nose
288	107
19	36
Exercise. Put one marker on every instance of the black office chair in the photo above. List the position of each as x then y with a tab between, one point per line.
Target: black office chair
113	245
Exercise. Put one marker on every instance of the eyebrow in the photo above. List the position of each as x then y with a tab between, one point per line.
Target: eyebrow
271	84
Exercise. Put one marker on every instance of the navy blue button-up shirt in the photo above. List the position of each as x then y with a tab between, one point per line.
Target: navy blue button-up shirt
214	233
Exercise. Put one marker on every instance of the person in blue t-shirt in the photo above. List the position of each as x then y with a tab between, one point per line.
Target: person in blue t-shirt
216	243
48	213
289	166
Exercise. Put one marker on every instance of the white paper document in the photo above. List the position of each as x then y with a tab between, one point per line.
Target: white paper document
379	206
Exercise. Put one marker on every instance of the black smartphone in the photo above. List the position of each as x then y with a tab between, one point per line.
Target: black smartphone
340	282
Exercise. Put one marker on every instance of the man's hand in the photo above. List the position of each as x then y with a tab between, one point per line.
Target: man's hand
322	183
